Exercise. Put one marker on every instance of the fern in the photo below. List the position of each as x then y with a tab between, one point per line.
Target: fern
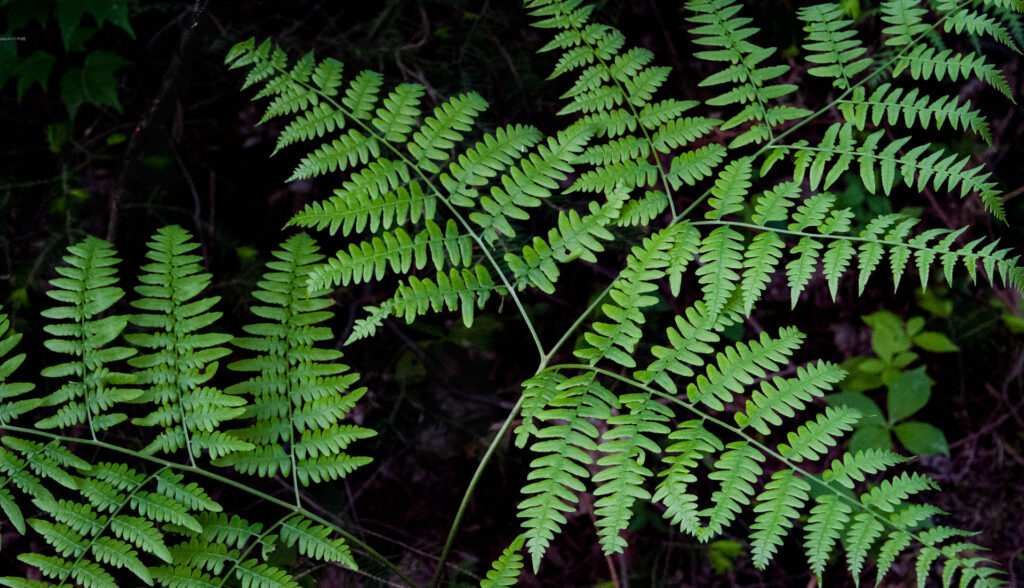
298	396
107	523
708	202
86	287
182	357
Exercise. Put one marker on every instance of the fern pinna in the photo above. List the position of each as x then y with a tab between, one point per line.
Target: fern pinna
732	190
159	520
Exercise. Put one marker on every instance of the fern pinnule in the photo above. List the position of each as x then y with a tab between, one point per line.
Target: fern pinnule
179	358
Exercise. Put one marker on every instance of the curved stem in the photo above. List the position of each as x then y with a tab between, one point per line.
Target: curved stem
468	494
349	537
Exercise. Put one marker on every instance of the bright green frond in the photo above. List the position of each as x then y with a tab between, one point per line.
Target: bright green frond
565	437
832	44
178	356
299	392
92	386
505	570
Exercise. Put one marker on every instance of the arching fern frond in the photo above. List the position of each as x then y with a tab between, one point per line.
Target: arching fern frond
179	358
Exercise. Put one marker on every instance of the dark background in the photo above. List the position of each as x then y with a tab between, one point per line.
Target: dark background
185	149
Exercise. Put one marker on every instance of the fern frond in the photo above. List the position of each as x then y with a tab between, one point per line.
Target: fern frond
926	63
179	358
833	46
722	258
747	81
690	338
524	186
905	20
736	470
396	251
740	365
962	18
729	193
781	397
440	133
493	154
11	406
828	519
314	541
505	570
87	288
691	443
299	393
577	237
911	108
648	262
627	445
462	290
555	477
641	211
357	211
918	166
777	507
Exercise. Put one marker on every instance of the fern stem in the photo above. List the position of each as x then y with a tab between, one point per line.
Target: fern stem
110	519
572	328
349	537
468	494
840	493
458	216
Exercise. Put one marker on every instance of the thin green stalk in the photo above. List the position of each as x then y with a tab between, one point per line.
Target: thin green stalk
349	537
468	494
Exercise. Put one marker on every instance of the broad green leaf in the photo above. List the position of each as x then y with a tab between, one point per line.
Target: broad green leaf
888	336
921	438
908	394
935	342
